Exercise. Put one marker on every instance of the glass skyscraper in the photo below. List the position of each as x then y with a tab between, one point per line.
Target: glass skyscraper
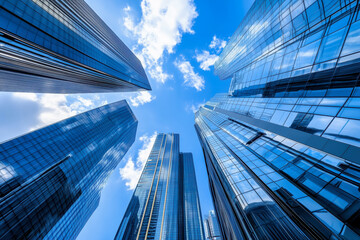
165	204
282	147
51	178
62	46
211	226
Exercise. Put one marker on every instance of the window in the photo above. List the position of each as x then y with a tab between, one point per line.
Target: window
306	55
352	43
331	45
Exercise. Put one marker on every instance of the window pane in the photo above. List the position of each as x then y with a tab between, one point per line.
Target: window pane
331	45
352	43
306	55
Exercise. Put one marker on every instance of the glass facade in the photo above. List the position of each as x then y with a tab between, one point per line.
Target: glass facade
282	146
165	204
51	178
62	46
211	226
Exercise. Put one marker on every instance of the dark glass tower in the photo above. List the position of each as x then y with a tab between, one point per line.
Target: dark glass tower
165	204
282	147
51	178
62	46
211	226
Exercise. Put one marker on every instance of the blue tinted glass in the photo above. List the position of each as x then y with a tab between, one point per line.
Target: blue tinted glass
313	12
310	204
306	55
54	175
352	43
74	50
331	221
339	24
165	204
301	112
350	113
331	46
349	132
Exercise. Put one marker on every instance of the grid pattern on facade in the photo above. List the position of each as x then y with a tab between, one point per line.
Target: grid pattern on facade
192	210
335	118
282	38
263	218
306	80
65	47
51	178
212	228
288	125
319	187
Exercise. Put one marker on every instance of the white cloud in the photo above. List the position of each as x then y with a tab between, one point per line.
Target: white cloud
206	59
194	107
7	171
255	27
130	174
127	8
132	170
141	98
217	44
127	21
84	104
191	78
160	29
26	96
56	107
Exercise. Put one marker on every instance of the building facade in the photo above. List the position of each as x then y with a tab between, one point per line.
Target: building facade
165	204
58	46
284	142
211	226
51	178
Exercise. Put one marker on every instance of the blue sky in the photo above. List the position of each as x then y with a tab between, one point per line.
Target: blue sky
178	42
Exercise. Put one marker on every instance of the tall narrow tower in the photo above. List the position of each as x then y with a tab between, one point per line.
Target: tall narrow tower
212	228
165	204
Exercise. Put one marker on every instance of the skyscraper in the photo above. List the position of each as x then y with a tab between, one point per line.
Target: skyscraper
165	204
211	226
51	178
62	46
282	146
